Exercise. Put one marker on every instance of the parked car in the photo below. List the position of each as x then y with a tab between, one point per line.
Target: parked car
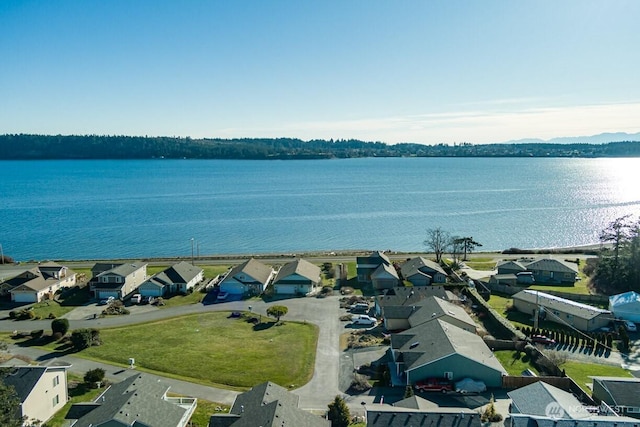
360	307
106	301
136	298
442	385
470	386
542	339
222	296
145	300
363	319
630	326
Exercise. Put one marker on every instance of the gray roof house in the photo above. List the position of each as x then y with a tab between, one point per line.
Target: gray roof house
439	349
137	401
422	272
620	393
366	265
42	390
407	295
249	278
560	310
403	416
119	281
544	270
385	277
401	317
178	278
298	277
536	398
267	405
39	283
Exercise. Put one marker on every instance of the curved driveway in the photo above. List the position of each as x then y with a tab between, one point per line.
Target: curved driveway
315	395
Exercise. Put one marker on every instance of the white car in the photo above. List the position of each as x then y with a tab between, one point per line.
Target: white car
630	326
363	319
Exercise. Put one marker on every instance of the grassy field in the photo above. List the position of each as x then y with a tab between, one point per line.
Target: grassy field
213	349
481	263
515	363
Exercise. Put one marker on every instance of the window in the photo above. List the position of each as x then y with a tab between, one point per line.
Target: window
56	380
448	375
56	400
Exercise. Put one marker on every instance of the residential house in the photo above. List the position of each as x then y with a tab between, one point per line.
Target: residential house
553	271
366	265
536	399
542	405
39	283
423	272
626	306
512	266
249	278
42	390
560	310
179	278
267	404
407	295
298	277
385	277
403	414
401	317
620	393
439	349
118	281
139	400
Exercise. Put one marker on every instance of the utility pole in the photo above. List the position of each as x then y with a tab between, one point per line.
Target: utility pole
537	311
1	254
192	251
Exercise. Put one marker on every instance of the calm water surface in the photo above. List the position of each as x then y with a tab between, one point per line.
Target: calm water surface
152	208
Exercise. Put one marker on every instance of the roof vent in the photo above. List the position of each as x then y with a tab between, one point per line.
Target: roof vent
415	344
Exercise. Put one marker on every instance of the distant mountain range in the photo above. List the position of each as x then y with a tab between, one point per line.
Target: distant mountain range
602	138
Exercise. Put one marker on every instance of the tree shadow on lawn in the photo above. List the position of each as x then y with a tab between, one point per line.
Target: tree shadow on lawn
262	326
64	348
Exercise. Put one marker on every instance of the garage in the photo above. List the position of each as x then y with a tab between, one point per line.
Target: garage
106	294
18	296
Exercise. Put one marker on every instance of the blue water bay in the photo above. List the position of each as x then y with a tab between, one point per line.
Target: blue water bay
151	208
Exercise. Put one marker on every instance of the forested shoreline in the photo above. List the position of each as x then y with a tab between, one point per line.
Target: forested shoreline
43	147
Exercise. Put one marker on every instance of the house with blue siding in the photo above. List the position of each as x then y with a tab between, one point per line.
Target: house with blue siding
438	349
423	272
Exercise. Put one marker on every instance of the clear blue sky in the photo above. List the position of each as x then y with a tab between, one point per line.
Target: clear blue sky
411	71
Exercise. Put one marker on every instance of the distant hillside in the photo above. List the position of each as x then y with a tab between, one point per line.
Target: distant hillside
24	147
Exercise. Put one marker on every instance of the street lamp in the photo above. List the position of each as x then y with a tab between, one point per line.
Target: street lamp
192	251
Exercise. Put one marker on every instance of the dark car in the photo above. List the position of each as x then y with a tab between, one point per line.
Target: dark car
542	339
442	385
145	300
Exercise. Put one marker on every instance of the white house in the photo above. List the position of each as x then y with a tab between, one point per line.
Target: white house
179	278
119	281
297	277
626	306
39	283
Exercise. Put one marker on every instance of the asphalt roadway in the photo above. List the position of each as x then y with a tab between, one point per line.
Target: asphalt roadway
315	395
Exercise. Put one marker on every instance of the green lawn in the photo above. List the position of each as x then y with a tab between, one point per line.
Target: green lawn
481	263
203	412
515	363
44	309
580	372
212	349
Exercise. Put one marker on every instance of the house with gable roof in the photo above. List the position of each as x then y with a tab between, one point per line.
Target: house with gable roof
385	277
179	278
366	265
42	390
39	283
407	295
118	281
249	278
423	272
542	271
298	277
439	349
561	310
622	394
267	405
139	401
416	411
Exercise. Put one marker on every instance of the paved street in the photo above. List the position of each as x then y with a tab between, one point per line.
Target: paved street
315	395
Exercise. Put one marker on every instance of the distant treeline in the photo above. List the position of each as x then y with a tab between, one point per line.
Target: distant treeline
22	146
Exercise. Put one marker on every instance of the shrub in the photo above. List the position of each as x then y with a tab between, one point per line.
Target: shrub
60	326
37	333
85	338
360	384
94	376
12	314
